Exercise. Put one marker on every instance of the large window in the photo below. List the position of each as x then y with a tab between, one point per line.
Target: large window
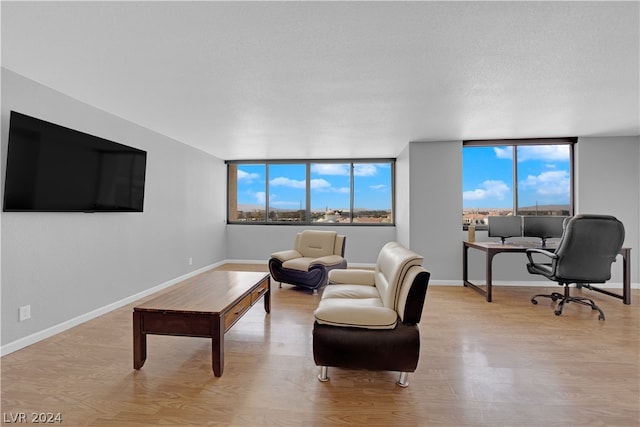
318	192
516	177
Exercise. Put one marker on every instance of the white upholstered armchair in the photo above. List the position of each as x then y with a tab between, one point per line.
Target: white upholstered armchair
315	253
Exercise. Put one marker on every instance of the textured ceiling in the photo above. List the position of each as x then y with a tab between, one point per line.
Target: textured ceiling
245	80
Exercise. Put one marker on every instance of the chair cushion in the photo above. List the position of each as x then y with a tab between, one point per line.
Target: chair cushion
316	243
301	263
328	260
353	276
350	291
366	313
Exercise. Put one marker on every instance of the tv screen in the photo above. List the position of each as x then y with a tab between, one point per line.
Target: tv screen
51	168
544	227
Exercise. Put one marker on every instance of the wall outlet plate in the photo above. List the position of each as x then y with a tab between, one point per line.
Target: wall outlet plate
24	312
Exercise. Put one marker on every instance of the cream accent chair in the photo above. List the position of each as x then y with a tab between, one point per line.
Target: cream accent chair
368	319
315	253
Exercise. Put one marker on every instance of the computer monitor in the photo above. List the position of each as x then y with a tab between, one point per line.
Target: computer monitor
505	227
545	227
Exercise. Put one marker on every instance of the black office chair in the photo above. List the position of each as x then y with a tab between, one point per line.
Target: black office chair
588	246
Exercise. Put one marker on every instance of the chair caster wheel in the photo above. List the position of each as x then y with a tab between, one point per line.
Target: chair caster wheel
600	317
554	299
534	302
557	313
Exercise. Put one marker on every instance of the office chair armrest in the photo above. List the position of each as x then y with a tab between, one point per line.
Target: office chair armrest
531	251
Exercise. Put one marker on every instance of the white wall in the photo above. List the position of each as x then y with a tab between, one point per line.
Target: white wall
66	265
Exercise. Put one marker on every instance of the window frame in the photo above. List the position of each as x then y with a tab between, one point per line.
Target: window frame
232	189
570	141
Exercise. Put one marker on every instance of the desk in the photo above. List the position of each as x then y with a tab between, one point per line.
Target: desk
491	249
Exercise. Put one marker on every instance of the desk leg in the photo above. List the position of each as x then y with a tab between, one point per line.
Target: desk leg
489	270
217	346
626	279
139	341
465	265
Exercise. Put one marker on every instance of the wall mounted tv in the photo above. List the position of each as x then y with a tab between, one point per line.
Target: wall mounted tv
51	168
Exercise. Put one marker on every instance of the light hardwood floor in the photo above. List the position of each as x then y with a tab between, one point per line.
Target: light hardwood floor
505	363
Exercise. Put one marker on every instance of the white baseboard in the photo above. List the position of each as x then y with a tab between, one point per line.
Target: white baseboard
68	324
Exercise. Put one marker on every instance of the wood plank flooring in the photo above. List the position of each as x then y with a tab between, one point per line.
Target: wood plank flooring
505	363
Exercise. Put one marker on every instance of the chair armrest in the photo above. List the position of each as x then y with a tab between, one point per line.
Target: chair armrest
352	277
532	251
328	260
286	255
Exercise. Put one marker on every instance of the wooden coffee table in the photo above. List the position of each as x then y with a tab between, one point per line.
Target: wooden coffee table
206	305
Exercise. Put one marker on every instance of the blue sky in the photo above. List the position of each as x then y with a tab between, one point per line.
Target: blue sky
330	186
543	176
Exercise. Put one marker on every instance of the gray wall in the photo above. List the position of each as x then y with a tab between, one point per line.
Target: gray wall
435	211
257	242
68	264
608	182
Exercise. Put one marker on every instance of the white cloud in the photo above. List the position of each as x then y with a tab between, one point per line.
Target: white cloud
330	169
320	184
365	169
549	183
283	203
246	176
287	182
503	152
379	187
548	153
490	189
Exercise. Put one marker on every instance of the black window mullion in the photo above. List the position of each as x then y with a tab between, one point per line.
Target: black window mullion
514	159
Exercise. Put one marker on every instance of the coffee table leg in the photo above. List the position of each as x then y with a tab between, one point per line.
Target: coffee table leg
217	346
267	296
139	342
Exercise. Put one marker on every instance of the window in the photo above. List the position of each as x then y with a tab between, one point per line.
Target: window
316	192
287	190
516	177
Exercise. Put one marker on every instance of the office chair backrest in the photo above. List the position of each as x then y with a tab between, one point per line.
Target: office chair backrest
589	244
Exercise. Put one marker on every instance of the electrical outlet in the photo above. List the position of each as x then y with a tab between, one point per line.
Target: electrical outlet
25	312
190	261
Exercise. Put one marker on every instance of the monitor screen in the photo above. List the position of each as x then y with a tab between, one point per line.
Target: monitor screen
505	226
544	227
51	168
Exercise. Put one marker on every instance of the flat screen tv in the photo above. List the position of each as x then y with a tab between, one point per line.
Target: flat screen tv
545	227
51	168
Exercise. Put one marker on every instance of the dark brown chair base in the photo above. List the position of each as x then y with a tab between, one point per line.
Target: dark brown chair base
395	349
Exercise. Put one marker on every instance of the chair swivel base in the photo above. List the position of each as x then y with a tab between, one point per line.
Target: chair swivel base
566	299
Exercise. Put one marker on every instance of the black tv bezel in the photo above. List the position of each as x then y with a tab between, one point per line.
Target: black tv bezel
536	232
77	133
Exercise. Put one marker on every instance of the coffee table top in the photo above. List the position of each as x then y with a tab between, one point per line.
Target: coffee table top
209	292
